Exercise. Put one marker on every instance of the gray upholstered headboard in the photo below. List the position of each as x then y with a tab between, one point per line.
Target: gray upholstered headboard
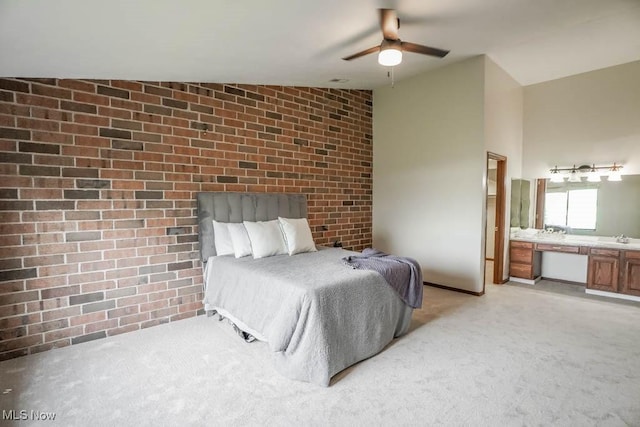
238	207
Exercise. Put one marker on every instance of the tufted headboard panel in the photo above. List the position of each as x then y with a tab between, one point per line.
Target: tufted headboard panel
238	207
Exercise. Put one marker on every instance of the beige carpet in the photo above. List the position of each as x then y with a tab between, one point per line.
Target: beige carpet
516	356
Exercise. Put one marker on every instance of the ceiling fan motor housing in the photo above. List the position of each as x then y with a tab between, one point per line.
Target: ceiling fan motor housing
391	44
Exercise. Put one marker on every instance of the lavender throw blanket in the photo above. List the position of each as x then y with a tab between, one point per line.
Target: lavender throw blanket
403	274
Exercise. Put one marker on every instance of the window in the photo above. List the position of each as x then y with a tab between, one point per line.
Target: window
573	208
555	209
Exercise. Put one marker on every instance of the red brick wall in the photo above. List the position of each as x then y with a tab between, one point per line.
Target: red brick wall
97	192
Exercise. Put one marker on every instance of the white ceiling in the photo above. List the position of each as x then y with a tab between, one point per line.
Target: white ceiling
300	42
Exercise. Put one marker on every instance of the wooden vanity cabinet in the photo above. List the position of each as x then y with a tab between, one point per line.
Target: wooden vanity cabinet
524	261
608	269
631	273
603	271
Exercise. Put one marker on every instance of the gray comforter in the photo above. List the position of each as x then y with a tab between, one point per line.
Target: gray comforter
317	315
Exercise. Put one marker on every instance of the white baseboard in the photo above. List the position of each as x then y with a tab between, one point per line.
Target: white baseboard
612	295
525	281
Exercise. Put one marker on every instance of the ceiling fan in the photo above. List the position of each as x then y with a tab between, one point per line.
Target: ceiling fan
391	48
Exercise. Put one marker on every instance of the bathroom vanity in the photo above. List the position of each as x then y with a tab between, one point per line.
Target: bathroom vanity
610	268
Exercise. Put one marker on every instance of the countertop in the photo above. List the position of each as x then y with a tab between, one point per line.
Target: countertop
575	240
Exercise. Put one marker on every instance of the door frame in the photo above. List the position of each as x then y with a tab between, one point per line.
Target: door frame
499	226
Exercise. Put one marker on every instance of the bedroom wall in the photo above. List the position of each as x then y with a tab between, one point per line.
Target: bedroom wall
583	119
97	192
429	163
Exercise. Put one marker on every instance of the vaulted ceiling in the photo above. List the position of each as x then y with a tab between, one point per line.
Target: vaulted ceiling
296	42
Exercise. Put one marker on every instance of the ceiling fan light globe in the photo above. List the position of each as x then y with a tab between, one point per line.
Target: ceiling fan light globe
389	57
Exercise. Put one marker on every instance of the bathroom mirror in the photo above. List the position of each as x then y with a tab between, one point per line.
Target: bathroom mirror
520	203
616	211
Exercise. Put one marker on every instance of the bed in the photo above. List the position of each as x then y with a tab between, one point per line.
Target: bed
317	315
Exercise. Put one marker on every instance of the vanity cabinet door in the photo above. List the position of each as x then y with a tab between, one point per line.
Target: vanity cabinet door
631	273
604	270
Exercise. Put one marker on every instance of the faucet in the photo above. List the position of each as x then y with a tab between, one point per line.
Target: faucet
622	239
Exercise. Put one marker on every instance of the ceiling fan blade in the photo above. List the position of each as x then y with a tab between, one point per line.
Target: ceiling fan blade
425	50
389	24
363	53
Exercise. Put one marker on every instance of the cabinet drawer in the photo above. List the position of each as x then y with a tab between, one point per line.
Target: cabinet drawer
604	252
558	248
517	244
632	254
521	255
524	271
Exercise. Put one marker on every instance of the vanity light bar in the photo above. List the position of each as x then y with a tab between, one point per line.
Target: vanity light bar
575	174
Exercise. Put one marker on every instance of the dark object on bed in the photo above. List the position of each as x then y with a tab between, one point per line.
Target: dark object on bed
401	273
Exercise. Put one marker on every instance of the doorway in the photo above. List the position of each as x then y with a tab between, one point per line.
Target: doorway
495	219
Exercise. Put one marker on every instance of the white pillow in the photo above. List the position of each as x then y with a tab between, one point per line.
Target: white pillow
224	245
297	235
266	238
240	239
